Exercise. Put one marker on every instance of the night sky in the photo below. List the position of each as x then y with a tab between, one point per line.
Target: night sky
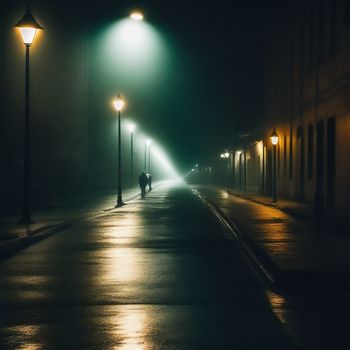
208	88
215	92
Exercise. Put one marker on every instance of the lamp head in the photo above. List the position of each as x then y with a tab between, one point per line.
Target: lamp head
136	15
131	127
28	27
118	103
274	138
226	155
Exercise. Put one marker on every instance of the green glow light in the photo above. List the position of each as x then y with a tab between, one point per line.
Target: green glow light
132	52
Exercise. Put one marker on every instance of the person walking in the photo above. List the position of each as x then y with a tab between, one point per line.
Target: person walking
143	181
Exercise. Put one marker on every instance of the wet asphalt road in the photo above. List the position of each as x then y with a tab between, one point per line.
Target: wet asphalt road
159	273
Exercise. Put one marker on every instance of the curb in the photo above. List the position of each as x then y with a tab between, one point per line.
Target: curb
132	197
11	247
299	215
269	272
266	269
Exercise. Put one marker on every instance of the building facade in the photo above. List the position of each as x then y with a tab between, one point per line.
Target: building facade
307	103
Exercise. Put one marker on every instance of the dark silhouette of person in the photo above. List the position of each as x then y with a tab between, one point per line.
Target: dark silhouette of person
143	181
149	182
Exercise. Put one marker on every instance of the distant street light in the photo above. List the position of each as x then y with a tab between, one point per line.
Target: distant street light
28	27
274	141
131	128
118	105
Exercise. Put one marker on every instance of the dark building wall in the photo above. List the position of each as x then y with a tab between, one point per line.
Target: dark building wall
307	101
58	98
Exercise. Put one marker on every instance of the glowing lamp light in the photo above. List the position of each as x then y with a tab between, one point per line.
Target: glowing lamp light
136	15
118	103
148	142
274	138
28	27
224	155
131	127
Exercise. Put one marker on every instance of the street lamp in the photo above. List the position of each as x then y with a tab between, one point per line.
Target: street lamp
226	156
136	15
131	128
274	141
28	27
148	143
118	105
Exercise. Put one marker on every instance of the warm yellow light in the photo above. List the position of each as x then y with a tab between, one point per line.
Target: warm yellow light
137	16
28	34
226	154
274	138
118	103
28	26
131	127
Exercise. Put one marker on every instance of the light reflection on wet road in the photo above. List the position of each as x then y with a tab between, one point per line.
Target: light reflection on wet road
159	273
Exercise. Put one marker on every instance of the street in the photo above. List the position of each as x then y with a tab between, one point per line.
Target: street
158	273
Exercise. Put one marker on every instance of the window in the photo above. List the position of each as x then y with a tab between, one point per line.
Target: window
347	13
310	35
310	151
285	156
320	31
278	160
333	25
291	153
330	161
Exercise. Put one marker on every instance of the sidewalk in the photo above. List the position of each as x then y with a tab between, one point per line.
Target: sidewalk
298	210
291	252
56	215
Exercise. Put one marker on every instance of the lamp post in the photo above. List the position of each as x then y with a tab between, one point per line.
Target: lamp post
149	142
28	27
226	156
239	155
274	141
118	105
131	128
